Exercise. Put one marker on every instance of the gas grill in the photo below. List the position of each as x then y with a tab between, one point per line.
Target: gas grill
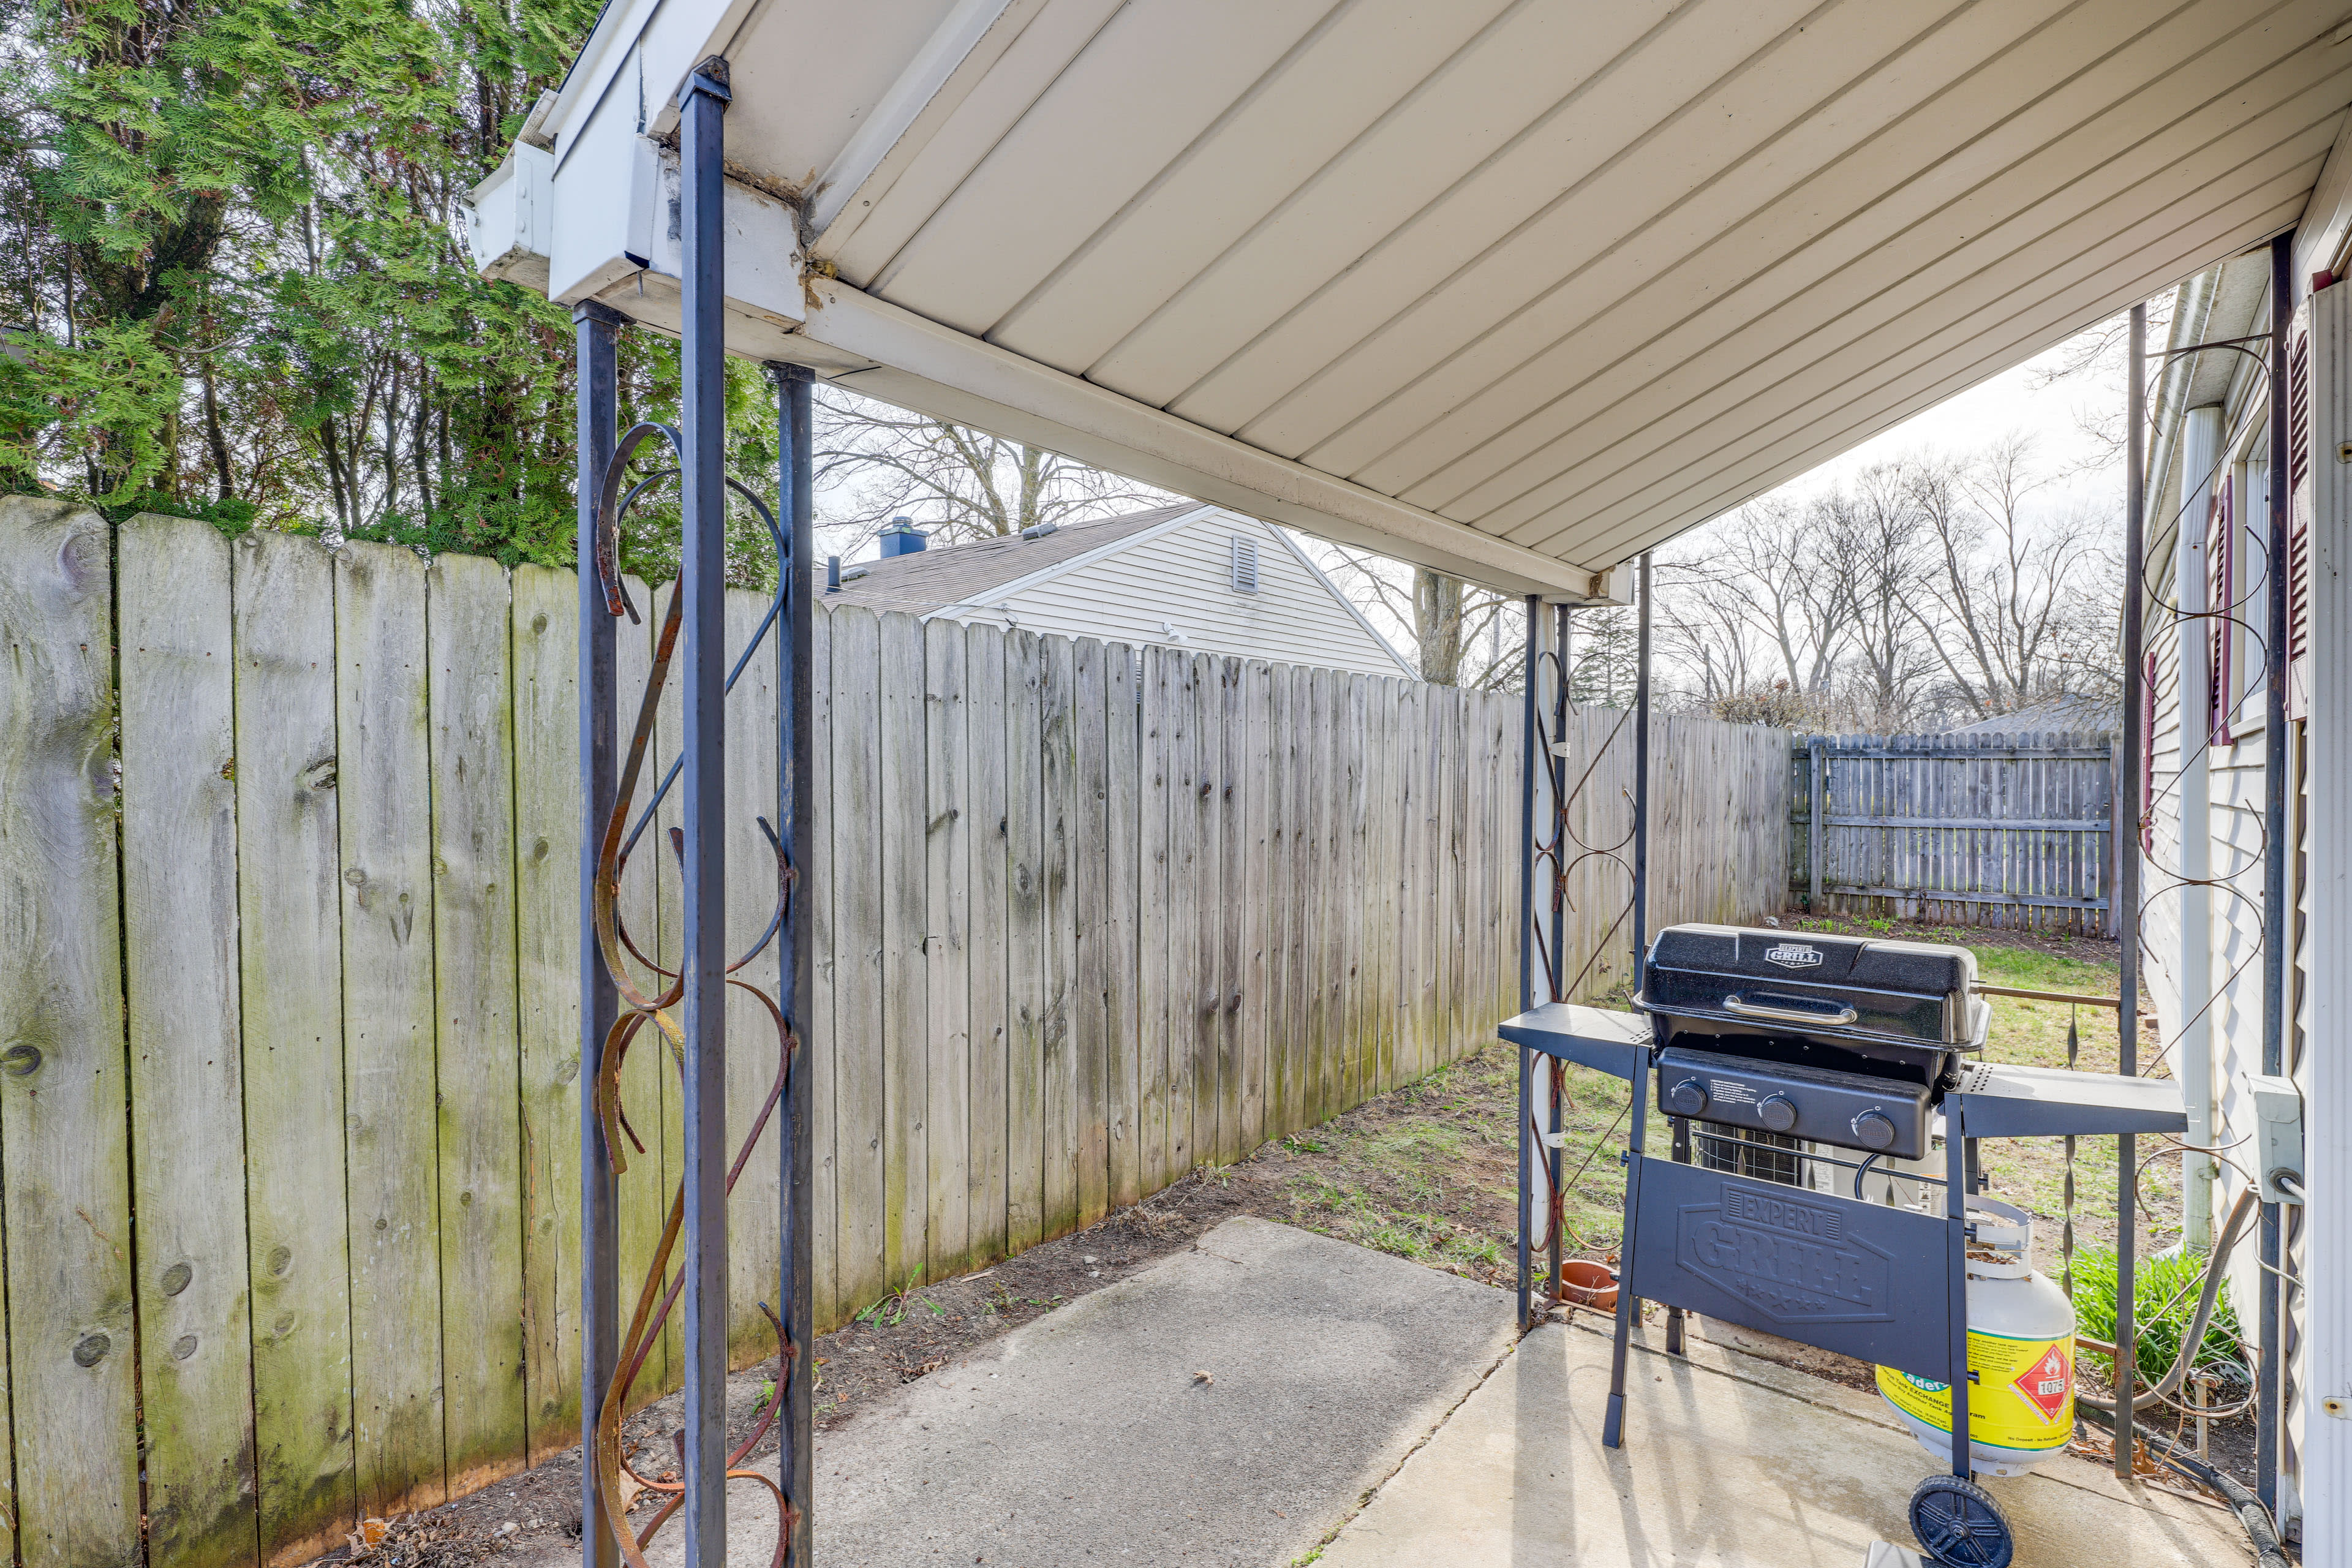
1822	1039
1823	1043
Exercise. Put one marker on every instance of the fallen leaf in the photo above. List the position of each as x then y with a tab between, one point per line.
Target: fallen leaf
1204	1377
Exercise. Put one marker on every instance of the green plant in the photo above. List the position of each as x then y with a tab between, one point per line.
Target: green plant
2164	1301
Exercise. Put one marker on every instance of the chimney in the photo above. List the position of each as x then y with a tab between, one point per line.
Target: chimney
901	537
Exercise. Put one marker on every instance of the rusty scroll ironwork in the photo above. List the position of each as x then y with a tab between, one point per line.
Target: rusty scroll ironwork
655	1002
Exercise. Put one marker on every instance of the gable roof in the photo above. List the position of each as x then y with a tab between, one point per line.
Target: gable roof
931	580
959	580
2068	714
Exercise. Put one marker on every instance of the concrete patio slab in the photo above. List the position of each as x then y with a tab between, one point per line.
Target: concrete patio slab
1089	1437
1728	1461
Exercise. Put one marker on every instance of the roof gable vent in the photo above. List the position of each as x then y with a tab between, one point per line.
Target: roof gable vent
1245	565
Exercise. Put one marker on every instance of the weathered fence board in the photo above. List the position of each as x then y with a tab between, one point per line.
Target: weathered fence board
476	1045
1085	918
391	1155
179	935
1024	923
753	1262
990	1019
545	640
290	984
946	950
856	891
62	1132
640	1203
1967	829
813	844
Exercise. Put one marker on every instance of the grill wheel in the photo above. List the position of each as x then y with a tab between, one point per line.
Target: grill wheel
1958	1524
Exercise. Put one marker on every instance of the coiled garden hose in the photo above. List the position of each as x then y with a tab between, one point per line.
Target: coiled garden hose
2241	1215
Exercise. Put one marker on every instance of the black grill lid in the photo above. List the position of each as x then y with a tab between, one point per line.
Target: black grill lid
1910	991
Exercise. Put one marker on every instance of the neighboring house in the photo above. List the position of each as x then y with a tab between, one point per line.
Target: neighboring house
1190	576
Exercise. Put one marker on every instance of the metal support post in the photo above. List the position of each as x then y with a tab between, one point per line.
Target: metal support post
1612	1424
1555	1158
1530	664
594	329
2127	898
702	581
2270	1395
796	960
1642	795
1956	1249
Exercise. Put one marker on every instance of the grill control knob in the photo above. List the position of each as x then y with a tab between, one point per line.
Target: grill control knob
1874	1129
1778	1112
1687	1097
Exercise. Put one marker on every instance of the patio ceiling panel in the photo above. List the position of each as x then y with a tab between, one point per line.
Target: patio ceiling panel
1967	351
1495	283
1615	456
1775	271
1638	180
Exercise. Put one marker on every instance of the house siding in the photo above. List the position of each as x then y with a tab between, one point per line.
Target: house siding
2315	1482
1182	579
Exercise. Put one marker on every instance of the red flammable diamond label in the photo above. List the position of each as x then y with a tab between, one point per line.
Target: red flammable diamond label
2044	1384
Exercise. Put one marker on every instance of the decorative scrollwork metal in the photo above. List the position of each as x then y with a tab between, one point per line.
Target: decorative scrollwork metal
657	1003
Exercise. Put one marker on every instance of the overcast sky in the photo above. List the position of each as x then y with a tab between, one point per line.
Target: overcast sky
2009	402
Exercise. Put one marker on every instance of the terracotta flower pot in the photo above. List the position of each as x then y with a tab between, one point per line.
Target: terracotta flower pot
1584	1283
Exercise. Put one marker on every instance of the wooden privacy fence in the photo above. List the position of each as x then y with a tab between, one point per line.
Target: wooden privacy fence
288	1100
2012	830
1719	849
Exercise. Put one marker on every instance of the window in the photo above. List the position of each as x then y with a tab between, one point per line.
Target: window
2239	602
1245	565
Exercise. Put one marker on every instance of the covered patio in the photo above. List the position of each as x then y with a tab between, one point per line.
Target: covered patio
1513	291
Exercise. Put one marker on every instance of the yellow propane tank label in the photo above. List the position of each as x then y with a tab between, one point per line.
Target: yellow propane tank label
2024	1395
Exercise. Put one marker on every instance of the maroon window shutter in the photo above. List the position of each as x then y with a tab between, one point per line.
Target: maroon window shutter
2298	524
2147	756
2219	612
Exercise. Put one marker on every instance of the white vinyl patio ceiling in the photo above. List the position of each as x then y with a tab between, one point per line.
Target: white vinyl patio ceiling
1517	289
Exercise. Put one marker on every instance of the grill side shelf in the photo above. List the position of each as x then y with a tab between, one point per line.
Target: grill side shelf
1596	1038
1996	1101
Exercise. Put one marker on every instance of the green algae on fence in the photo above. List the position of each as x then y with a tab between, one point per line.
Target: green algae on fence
177	675
62	1080
476	1041
545	640
391	1150
1074	935
290	981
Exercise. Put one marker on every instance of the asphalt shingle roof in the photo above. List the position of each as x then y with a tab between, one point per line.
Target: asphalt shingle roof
935	578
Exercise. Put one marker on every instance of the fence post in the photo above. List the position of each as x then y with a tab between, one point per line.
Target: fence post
1817	760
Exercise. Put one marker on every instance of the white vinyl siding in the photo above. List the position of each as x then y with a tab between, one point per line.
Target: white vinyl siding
1182	580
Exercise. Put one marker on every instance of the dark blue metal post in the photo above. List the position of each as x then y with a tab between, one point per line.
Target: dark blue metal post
1530	760
1612	1424
1555	775
794	672
1641	796
594	329
1956	1276
2271	1394
2126	893
702	106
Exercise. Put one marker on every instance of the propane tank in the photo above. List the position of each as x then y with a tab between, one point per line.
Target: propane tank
2020	1354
